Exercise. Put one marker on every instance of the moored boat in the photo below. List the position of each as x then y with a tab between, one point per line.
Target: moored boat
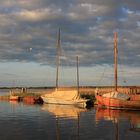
117	103
32	100
64	97
116	99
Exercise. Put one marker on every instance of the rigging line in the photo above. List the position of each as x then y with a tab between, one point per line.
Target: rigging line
122	71
101	76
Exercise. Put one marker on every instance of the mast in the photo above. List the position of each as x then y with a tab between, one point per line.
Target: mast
115	61
57	58
77	74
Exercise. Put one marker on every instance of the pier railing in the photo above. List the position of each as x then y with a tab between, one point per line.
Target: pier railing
102	90
82	90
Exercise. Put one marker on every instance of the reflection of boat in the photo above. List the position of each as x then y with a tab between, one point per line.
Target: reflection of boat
110	114
116	115
64	97
66	111
14	102
116	99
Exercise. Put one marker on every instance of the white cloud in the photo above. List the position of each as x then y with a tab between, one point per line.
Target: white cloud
38	15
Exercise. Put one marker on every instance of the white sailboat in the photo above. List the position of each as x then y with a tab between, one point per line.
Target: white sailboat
68	96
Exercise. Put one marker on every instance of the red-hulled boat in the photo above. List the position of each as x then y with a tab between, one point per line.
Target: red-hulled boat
117	103
115	99
32	100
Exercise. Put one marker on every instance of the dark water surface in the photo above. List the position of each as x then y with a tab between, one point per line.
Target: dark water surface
20	121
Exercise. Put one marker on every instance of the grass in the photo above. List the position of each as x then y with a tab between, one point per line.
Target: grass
91	97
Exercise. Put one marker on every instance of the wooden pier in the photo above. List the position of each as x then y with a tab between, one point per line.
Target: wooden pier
83	90
102	90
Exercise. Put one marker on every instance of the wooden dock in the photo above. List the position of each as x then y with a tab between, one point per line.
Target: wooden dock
102	90
83	90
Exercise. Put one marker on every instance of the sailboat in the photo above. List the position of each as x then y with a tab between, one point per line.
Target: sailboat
68	96
115	99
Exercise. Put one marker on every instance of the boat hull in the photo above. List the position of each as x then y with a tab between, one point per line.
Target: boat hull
117	104
32	100
78	102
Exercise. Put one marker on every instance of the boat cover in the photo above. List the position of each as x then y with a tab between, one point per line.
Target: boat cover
117	95
63	94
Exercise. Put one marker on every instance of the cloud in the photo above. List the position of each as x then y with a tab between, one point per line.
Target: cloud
38	15
86	30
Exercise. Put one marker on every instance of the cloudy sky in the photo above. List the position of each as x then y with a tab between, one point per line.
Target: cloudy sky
28	40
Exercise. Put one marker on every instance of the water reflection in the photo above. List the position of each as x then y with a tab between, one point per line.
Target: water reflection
14	102
65	111
62	112
117	116
60	122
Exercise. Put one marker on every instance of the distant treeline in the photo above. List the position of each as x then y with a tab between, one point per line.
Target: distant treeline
51	87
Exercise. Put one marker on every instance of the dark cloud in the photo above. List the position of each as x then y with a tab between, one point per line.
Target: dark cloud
86	30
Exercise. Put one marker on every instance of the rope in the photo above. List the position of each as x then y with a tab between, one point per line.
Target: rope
102	76
123	73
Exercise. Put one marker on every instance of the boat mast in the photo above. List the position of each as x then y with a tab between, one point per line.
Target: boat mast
77	74
115	61
57	58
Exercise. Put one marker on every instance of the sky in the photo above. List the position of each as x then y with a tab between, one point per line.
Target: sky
28	41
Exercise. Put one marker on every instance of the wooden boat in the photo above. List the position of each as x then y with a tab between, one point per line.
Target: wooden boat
115	99
117	103
64	97
32	100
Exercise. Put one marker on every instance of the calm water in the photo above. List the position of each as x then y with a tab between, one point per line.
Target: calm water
50	122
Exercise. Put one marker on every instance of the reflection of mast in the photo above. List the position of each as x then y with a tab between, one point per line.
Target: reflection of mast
57	129
116	130
78	126
57	59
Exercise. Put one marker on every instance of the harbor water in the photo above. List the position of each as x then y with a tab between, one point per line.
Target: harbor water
60	122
